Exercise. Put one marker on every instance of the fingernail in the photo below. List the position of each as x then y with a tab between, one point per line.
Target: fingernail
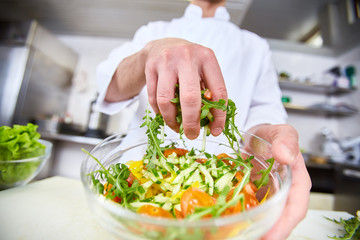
191	136
217	131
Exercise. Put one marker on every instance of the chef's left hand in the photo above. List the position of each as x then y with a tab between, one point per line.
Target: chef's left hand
285	150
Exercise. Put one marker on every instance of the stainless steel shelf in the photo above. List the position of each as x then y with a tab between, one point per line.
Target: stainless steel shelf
314	88
319	111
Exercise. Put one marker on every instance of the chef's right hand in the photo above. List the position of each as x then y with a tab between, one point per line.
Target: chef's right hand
170	61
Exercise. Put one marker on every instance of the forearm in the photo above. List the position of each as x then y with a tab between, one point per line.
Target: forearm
128	79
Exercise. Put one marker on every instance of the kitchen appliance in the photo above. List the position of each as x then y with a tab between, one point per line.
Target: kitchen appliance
36	70
97	122
346	150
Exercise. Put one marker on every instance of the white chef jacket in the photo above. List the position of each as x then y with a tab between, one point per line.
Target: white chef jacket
244	59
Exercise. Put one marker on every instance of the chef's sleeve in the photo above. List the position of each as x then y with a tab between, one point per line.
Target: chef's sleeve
106	69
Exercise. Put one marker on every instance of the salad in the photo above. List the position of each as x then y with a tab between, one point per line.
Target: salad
172	182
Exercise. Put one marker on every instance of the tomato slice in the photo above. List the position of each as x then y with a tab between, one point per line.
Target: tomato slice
154	211
195	197
250	199
221	156
201	160
178	214
131	179
239	176
179	152
107	187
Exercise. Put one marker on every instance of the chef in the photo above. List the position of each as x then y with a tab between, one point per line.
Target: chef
203	49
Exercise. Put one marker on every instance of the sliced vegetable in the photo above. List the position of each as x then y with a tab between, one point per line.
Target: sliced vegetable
194	197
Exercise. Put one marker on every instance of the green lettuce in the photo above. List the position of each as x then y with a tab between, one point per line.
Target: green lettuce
16	143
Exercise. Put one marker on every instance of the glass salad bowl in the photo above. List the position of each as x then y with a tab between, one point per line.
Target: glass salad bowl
126	224
15	173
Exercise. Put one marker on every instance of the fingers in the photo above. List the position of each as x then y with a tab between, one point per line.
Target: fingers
161	90
165	93
171	61
151	82
297	203
213	80
190	95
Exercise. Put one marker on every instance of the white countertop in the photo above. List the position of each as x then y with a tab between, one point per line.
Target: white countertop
56	208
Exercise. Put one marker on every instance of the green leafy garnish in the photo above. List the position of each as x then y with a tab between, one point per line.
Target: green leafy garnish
351	227
265	174
117	175
154	126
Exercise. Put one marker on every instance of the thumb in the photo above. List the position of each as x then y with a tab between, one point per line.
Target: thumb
284	140
285	144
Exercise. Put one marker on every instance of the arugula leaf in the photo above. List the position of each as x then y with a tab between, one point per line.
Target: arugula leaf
265	174
154	126
116	175
105	173
351	227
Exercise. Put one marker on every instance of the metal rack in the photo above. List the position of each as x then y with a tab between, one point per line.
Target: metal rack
329	90
314	88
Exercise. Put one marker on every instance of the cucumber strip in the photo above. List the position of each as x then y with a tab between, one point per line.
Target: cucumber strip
224	181
177	207
214	172
161	199
167	206
194	177
208	179
151	176
176	189
172	158
186	172
147	185
167	167
166	186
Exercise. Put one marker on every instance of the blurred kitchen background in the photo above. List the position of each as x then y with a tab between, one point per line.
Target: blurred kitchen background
49	51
